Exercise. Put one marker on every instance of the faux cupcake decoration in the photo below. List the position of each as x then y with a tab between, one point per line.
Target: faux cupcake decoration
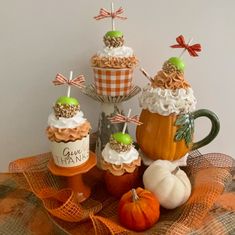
113	66
67	129
120	159
168	111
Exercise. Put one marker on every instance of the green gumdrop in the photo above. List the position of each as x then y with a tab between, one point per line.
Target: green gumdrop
114	34
67	100
122	138
179	63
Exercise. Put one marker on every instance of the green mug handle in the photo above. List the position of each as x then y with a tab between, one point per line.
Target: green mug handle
215	127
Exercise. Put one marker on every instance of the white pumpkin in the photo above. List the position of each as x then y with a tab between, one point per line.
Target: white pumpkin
168	183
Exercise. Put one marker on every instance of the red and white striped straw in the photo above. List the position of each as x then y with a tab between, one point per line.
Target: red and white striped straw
146	75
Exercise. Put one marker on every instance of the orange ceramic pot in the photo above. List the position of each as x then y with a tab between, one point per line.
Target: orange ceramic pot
118	185
171	137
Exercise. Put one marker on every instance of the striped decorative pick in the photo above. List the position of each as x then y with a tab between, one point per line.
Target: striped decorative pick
146	75
113	14
61	80
106	14
119	118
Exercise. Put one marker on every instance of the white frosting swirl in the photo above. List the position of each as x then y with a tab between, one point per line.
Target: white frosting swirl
61	122
113	157
116	52
167	101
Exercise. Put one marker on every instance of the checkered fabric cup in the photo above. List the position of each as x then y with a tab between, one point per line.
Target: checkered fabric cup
113	82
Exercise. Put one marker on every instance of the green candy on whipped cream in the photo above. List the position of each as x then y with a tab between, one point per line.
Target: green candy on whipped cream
114	34
178	63
67	100
122	138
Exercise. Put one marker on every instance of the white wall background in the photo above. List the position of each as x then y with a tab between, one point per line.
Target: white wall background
40	38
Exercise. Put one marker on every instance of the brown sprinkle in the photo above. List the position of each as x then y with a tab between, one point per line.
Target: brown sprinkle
119	147
66	110
113	41
114	62
170	68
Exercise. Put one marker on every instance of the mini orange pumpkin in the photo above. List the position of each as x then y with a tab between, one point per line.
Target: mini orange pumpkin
138	209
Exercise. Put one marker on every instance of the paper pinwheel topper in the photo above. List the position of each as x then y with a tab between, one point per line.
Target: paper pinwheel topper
122	137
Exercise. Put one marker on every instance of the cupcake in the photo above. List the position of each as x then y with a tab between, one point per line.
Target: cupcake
120	159
113	65
169	92
68	132
119	155
168	104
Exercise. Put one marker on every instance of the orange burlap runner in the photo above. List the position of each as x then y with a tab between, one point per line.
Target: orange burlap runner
209	210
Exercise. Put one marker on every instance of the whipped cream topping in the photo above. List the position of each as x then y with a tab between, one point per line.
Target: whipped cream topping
167	101
113	157
61	122
116	52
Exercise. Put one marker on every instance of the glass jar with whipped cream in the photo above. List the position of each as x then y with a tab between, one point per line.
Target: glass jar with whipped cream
168	114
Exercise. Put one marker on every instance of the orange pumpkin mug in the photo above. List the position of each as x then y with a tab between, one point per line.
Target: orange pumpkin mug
168	115
171	137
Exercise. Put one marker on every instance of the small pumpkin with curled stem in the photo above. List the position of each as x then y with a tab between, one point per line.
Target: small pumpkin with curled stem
168	183
138	209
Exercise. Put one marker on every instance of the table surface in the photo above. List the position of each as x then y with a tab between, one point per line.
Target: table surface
22	212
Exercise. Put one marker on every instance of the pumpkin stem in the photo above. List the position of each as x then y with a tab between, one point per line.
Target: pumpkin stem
175	170
134	195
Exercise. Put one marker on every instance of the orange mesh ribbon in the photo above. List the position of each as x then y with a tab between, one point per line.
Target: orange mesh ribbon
210	175
106	14
192	50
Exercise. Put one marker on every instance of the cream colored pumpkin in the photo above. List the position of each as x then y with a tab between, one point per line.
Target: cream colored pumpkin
168	183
